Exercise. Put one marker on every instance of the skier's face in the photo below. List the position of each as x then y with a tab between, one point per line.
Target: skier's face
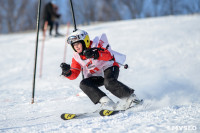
78	47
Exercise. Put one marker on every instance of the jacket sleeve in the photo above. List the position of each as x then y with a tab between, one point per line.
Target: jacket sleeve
75	69
105	55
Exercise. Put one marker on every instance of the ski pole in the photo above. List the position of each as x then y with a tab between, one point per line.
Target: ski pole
100	49
125	66
74	20
36	48
73	16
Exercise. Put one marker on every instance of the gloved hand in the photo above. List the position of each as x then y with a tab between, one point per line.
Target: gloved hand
65	69
91	53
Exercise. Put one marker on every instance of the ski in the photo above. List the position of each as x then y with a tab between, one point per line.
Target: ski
70	116
103	112
106	112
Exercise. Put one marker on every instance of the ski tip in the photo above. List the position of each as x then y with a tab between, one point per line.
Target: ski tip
67	116
107	112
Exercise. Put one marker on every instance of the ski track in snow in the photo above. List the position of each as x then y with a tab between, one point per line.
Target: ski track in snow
164	69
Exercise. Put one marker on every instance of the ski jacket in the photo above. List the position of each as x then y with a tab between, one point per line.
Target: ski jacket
91	67
50	13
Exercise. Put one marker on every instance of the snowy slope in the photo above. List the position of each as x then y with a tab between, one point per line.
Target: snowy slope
164	69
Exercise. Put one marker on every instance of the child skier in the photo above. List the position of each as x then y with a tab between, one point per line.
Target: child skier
99	68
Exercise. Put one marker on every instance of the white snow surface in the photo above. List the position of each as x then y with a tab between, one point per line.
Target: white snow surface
163	55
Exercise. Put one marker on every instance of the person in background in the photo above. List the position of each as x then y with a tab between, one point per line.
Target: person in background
51	15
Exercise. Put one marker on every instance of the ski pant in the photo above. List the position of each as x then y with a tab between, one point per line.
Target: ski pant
51	26
90	85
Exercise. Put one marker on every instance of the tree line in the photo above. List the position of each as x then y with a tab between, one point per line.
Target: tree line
20	15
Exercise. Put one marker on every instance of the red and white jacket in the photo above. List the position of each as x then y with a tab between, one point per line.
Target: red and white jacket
91	67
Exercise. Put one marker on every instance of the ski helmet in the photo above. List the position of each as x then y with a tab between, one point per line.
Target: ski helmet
79	36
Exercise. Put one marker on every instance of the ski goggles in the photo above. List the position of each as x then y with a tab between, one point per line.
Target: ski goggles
73	39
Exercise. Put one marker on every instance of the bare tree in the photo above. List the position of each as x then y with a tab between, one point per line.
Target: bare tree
19	15
135	6
16	15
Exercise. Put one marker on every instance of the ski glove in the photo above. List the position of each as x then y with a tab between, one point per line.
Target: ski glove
65	69
91	53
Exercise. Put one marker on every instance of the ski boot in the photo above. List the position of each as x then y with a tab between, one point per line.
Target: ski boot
128	102
107	103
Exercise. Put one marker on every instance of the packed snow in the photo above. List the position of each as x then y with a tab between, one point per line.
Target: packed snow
164	69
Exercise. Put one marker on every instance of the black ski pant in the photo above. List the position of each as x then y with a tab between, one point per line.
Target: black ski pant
90	85
51	26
